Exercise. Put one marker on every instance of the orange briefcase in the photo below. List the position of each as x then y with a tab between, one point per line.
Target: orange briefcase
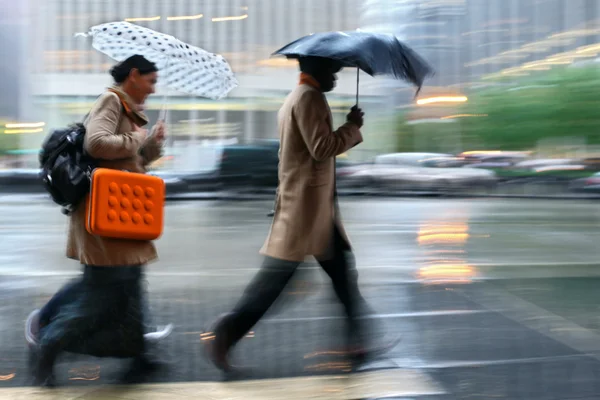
125	205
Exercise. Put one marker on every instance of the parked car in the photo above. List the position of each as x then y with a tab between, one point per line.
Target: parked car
586	185
252	165
417	171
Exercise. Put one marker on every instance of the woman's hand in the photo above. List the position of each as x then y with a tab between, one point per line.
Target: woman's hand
141	130
159	131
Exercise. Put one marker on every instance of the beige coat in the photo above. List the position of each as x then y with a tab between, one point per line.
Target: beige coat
305	211
111	137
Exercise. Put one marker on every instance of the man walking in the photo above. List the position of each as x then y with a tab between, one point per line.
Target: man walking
306	220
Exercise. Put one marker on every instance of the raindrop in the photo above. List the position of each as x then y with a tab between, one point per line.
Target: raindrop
105	29
119	33
133	38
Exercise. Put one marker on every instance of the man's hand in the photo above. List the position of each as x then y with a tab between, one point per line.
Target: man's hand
356	116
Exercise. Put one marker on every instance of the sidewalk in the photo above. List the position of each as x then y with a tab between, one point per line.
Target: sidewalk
368	385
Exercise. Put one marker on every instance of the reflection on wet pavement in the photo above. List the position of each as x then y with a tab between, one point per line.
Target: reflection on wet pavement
428	268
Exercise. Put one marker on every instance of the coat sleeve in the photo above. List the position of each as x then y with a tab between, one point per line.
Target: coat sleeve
151	149
312	116
102	141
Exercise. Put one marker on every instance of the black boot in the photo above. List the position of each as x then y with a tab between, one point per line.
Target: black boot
43	373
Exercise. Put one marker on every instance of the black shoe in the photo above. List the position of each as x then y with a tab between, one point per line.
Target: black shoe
141	368
43	373
215	349
362	354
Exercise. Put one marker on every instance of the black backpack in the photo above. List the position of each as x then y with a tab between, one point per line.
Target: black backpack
65	168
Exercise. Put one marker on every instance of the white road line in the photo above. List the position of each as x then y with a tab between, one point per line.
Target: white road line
417	314
484	363
209	270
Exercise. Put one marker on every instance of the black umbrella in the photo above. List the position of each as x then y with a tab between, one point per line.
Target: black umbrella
374	53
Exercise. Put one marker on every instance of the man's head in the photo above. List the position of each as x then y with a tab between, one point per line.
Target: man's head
324	70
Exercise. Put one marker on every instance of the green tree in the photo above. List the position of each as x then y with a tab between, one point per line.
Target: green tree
561	103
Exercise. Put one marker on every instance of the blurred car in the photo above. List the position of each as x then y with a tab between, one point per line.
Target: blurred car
549	170
21	180
586	185
174	183
254	165
417	171
494	161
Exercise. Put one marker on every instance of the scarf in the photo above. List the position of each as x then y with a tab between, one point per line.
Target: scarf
306	79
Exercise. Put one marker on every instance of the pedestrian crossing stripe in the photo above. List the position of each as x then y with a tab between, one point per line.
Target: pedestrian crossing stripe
365	385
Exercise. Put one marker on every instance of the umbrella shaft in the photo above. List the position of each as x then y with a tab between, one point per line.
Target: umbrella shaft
357	81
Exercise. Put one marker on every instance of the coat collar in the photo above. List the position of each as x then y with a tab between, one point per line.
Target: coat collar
137	117
306	79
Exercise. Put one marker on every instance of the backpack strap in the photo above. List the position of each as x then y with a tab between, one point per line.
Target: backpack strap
123	102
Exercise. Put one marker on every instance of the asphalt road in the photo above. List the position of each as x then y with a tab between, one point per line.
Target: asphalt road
493	298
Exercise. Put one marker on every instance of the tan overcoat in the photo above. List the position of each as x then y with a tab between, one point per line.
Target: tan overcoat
111	138
305	211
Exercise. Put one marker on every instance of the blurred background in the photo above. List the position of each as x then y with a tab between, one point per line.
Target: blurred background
495	291
514	93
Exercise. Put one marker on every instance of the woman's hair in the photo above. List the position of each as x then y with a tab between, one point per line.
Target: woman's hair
121	71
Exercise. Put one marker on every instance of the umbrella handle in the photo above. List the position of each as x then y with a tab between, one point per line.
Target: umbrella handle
357	81
163	112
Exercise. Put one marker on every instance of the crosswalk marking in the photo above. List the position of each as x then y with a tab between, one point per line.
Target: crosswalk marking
365	385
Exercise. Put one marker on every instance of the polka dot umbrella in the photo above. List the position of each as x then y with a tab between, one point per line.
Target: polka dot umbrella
182	67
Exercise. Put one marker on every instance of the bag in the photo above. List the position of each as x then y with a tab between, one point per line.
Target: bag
65	168
125	205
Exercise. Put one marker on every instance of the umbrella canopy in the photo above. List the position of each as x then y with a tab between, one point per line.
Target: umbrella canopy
374	53
185	68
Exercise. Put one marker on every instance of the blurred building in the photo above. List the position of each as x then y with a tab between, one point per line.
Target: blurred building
469	42
476	43
68	73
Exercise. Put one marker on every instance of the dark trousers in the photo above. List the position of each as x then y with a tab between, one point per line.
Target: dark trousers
69	293
99	315
272	279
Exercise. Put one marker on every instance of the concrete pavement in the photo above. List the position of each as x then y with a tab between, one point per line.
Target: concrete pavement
474	287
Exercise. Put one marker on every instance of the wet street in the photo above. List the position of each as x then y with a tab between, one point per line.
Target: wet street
493	298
